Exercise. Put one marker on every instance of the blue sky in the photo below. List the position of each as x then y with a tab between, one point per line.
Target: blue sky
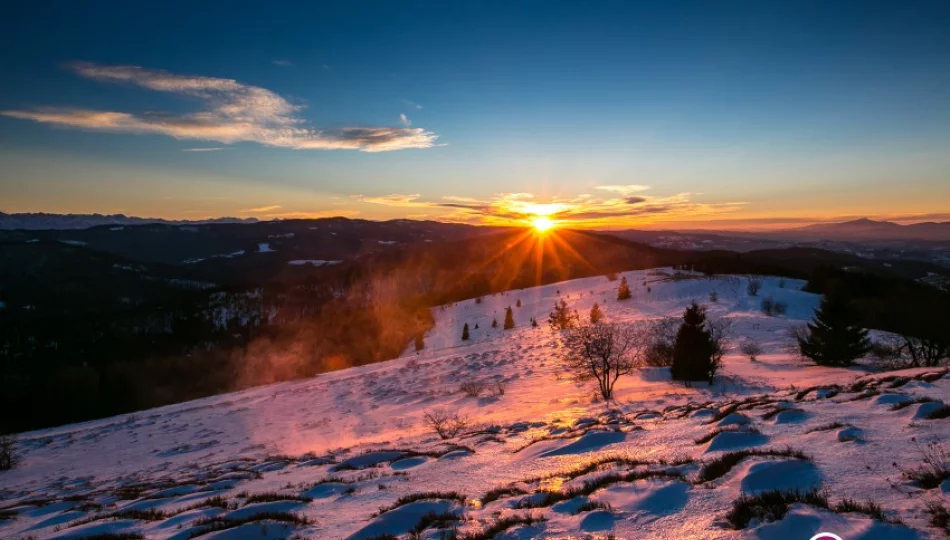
728	114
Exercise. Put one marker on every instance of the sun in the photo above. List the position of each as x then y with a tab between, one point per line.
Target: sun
542	223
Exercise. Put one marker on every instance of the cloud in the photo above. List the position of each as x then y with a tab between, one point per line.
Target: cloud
211	149
624	189
393	200
635	200
234	112
262	209
283	63
404	120
413	104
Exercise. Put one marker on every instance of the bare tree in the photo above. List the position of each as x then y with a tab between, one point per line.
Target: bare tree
926	352
662	339
445	423
604	352
720	330
754	287
8	456
750	349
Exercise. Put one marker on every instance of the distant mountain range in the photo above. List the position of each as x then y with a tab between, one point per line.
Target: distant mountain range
869	229
39	221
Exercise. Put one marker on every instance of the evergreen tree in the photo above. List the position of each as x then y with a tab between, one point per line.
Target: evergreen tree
465	335
534	322
694	350
518	303
595	314
623	291
494	323
834	337
509	319
562	317
420	342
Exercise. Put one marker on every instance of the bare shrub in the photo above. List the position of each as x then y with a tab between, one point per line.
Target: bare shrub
498	389
773	307
473	388
926	352
445	423
720	330
934	469
754	287
662	340
604	352
8	456
750	349
888	351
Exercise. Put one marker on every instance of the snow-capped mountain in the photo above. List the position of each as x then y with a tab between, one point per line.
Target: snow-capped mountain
38	221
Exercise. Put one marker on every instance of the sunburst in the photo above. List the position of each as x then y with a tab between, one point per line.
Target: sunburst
542	223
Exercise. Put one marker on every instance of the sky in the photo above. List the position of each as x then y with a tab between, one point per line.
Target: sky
709	115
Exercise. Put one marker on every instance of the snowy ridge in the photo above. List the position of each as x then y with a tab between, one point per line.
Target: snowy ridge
346	454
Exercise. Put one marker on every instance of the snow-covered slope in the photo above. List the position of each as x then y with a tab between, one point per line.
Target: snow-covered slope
347	454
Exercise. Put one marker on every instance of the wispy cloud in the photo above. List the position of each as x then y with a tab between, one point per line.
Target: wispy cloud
404	120
582	211
624	189
261	209
393	200
208	149
283	63
234	112
412	104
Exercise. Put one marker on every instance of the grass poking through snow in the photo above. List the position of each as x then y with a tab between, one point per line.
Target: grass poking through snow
721	466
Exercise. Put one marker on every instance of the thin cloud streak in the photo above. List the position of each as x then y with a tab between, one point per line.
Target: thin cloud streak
262	209
582	211
234	112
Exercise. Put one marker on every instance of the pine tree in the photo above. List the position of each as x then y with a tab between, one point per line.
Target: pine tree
562	317
494	323
694	349
595	314
509	319
518	303
834	337
534	322
623	291
465	335
420	342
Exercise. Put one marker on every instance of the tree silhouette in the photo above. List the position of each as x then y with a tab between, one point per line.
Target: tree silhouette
834	337
596	315
694	351
623	291
420	342
465	334
562	317
509	319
